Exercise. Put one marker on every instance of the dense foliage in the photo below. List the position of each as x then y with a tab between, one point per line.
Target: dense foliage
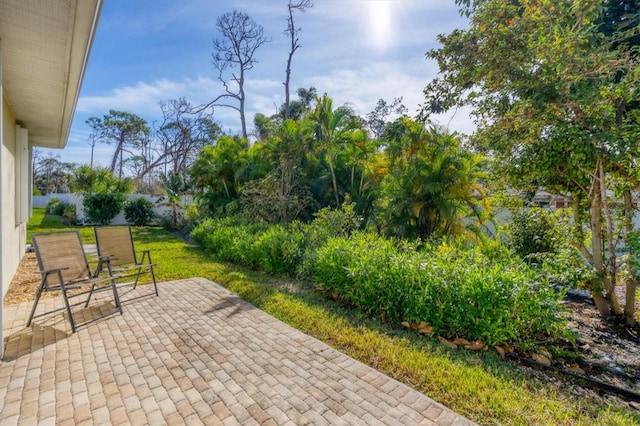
59	208
489	295
101	207
553	86
139	212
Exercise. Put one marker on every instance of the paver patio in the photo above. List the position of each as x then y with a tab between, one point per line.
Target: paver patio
196	354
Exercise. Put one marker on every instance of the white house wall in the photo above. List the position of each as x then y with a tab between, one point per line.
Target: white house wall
13	234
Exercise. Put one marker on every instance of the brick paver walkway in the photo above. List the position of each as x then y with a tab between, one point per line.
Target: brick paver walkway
196	354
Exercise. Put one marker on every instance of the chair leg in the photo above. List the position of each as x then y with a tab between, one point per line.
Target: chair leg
147	253
93	286
37	299
153	278
66	303
116	297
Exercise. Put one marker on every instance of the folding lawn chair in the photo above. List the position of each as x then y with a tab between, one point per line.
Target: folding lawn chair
116	244
64	268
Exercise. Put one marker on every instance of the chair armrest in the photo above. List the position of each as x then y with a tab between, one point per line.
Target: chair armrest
51	271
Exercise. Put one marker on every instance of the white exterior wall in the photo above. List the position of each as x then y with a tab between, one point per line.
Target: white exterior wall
14	219
13	215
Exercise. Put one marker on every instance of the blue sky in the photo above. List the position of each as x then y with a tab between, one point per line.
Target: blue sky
357	51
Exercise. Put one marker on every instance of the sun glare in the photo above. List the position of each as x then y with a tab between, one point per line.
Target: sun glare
380	24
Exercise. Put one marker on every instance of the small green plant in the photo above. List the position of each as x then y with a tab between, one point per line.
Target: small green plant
102	207
139	212
69	214
55	207
65	210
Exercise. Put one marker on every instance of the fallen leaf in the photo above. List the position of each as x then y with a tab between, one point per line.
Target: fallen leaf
576	369
426	330
475	346
406	324
541	359
447	343
544	352
501	351
461	342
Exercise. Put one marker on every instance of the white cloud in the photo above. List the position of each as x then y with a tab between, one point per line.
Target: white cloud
135	66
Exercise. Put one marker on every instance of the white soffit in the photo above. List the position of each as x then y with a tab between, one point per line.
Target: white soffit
45	48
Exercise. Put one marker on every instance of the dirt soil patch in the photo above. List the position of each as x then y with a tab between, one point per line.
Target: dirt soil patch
603	352
25	282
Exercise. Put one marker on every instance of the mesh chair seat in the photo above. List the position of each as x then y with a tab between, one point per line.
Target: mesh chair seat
115	243
64	267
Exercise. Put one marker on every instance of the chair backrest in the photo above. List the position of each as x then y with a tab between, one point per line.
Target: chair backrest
62	250
117	243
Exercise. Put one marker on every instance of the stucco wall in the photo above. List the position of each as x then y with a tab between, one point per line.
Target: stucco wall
13	235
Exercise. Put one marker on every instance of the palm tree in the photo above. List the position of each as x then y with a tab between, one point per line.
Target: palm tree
434	186
329	126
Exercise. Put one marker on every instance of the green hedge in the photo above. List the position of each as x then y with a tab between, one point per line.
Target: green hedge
460	292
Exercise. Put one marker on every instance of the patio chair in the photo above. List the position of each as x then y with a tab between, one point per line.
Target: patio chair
64	267
116	244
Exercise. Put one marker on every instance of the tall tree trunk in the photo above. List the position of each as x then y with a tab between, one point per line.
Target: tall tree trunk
578	220
598	284
632	280
610	281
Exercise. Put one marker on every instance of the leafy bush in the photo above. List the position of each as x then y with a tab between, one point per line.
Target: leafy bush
102	207
66	210
459	292
55	207
535	230
193	216
328	223
278	249
69	214
139	212
565	269
227	239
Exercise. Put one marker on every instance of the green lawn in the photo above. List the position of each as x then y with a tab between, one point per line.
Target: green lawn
480	386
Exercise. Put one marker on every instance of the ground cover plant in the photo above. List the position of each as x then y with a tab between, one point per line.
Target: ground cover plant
478	385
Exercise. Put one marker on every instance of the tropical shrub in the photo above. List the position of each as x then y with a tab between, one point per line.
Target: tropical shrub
278	249
459	292
55	207
59	208
69	214
102	207
535	230
227	239
138	212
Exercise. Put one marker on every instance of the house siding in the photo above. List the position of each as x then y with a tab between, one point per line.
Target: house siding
13	234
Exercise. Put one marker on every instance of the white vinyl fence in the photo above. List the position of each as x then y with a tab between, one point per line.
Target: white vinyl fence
161	207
